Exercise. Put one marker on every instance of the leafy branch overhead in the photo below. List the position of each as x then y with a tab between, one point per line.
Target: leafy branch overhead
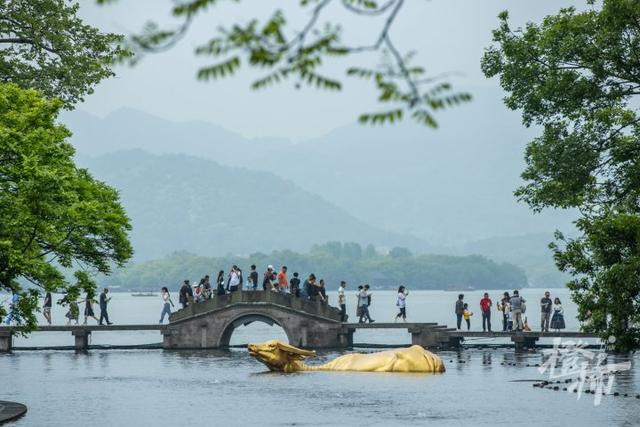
284	54
44	45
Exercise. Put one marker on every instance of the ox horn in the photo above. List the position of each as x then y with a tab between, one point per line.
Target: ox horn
295	350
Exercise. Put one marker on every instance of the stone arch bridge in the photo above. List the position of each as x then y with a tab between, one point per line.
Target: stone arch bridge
210	323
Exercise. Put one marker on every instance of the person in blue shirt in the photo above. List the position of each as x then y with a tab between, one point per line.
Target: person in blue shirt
12	307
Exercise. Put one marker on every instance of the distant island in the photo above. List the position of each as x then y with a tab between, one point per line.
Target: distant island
333	261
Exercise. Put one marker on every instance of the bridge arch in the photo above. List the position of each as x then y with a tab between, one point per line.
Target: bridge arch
245	319
211	323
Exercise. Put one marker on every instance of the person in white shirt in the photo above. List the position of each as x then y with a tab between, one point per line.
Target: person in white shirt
167	303
234	279
342	301
402	304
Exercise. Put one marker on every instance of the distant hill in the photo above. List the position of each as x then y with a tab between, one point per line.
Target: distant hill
334	262
530	252
178	202
446	186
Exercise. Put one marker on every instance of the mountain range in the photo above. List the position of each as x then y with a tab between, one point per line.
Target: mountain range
447	186
178	202
196	186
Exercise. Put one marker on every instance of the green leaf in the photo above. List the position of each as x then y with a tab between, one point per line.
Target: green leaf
221	69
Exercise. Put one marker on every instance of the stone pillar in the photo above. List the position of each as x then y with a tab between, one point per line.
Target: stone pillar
166	338
522	340
203	336
346	337
426	337
6	341
81	340
303	336
432	337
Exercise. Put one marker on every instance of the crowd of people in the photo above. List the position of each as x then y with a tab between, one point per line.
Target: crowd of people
73	311
512	308
311	289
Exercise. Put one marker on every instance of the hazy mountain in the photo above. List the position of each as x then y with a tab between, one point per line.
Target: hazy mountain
446	186
179	202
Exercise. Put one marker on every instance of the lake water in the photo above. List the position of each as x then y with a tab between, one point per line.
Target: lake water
227	387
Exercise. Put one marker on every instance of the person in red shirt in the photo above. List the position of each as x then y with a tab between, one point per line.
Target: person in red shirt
283	282
485	307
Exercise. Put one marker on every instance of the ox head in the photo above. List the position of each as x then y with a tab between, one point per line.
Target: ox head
279	356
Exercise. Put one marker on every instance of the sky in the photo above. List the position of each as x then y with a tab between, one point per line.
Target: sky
449	36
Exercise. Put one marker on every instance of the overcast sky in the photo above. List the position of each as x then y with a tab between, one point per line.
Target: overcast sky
449	36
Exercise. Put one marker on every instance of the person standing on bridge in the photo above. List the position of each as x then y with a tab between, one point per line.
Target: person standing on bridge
267	279
517	306
467	315
342	301
283	281
167	303
557	321
186	294
506	306
402	304
363	305
13	307
207	287
88	309
73	313
311	288
545	314
253	277
295	285
502	306
220	283
459	310
234	280
46	307
322	292
485	308
104	300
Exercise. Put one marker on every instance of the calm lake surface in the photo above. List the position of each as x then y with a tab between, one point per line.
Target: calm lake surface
482	386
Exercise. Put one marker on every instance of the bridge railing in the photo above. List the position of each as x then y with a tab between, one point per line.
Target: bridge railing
217	302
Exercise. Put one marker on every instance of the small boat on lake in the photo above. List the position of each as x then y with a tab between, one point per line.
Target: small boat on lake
144	294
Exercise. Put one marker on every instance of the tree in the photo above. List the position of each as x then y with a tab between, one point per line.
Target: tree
285	54
45	46
398	252
577	75
370	251
53	215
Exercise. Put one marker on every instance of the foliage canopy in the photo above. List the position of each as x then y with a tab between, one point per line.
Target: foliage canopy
45	46
53	215
577	75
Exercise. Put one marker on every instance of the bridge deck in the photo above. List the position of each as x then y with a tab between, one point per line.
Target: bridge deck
379	325
412	325
533	334
71	328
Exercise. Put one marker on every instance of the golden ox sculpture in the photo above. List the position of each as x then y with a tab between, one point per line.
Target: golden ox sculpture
282	357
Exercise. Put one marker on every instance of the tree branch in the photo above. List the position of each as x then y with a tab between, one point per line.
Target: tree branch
22	40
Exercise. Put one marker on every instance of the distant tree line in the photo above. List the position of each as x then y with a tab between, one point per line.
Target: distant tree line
334	261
